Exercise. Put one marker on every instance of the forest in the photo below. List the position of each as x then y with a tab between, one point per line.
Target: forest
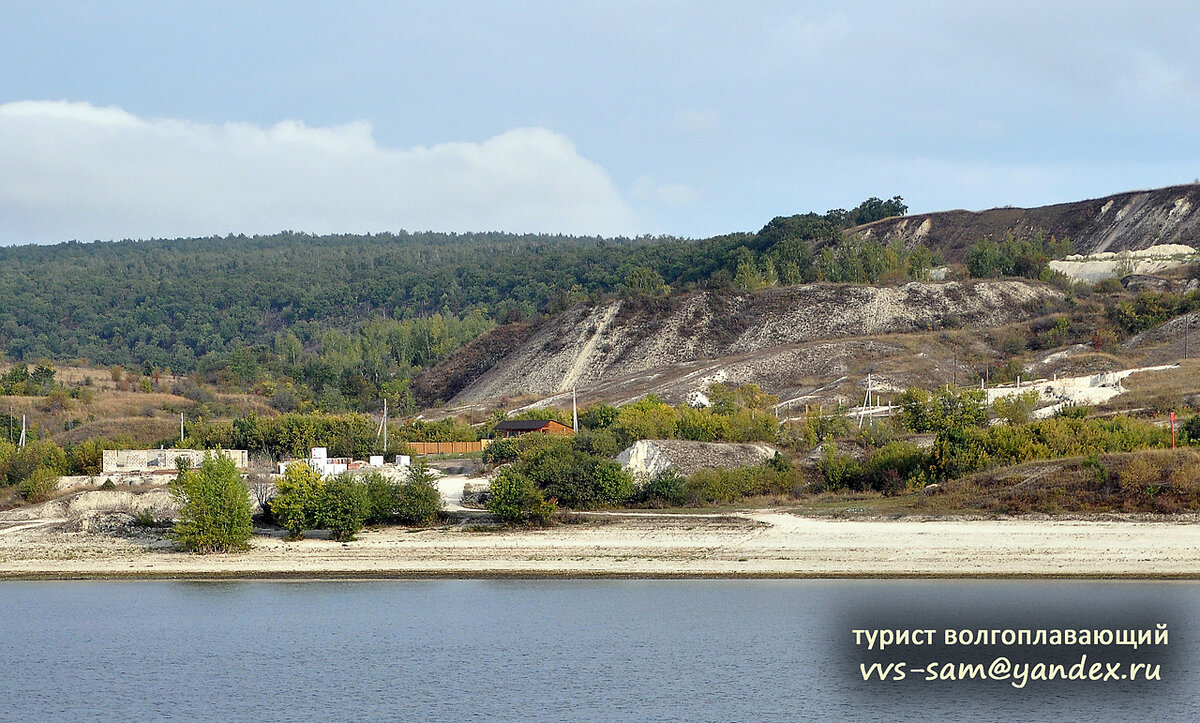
338	322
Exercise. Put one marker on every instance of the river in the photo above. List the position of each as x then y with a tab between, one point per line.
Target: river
696	650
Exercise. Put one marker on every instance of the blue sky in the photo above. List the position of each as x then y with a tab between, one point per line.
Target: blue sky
123	119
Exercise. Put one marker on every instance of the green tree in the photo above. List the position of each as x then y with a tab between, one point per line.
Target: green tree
296	504
343	506
214	507
925	411
642	281
1017	408
418	500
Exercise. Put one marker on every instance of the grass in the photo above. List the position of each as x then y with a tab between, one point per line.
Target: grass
139	430
1149	482
1154	482
1162	391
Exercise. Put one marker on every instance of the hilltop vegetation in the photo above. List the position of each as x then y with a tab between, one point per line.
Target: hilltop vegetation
339	322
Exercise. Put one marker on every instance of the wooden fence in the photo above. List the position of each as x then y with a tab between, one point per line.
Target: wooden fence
447	447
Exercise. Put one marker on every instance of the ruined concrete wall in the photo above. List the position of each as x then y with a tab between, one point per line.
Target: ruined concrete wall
118	461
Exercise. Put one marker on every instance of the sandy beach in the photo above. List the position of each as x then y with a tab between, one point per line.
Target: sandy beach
754	543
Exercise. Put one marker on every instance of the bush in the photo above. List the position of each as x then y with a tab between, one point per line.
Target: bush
895	468
296	504
600	442
924	411
724	486
214	507
576	479
838	470
721	486
1017	408
501	451
87	457
1073	411
18	463
516	499
960	451
665	489
816	427
38	485
343	507
381	494
418	500
419	472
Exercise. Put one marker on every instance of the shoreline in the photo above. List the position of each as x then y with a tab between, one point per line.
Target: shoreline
411	576
747	545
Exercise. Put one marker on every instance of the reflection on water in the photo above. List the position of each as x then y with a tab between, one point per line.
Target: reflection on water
555	650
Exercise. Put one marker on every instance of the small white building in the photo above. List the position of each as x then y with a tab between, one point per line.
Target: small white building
327	466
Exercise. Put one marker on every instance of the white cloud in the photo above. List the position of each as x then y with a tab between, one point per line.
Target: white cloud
671	194
74	170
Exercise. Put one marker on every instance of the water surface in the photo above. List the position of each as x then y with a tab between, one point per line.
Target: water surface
558	649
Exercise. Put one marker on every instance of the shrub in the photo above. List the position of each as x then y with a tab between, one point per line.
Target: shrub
720	486
1098	468
38	485
1017	408
262	489
924	411
214	507
816	427
576	479
419	472
381	494
598	416
599	442
18	463
613	484
723	486
296	504
894	468
87	457
343	507
417	500
1073	411
665	489
700	425
837	470
516	499
648	418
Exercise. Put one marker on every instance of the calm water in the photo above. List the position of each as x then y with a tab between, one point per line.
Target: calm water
555	650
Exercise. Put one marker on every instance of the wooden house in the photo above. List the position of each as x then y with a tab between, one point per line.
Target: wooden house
519	427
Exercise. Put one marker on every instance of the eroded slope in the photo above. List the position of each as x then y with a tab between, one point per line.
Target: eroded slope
589	347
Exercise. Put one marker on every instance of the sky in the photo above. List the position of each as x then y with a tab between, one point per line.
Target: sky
167	119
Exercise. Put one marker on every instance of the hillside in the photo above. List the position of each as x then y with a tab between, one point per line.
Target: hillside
775	337
1134	220
341	322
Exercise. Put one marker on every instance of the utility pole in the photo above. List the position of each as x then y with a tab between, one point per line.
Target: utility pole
181	427
866	401
574	411
382	430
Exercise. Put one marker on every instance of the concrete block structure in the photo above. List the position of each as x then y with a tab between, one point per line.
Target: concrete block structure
164	461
